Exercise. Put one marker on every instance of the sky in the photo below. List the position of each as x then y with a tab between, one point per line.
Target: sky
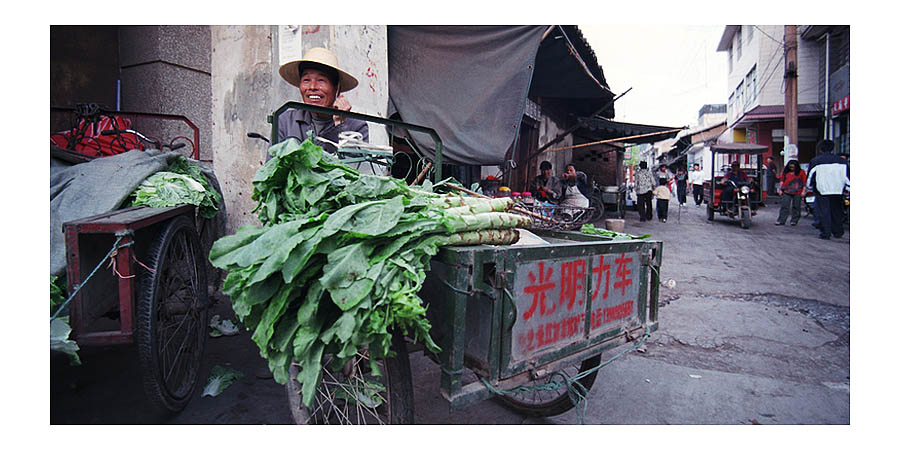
672	70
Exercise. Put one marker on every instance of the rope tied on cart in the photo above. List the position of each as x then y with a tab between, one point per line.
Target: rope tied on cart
112	262
109	255
576	391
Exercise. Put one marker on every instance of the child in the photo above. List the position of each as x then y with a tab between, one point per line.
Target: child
662	194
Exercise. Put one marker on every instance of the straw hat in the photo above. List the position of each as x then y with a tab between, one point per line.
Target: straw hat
291	73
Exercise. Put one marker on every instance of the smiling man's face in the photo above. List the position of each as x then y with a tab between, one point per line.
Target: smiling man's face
316	88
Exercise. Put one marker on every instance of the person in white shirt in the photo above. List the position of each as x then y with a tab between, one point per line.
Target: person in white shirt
696	180
828	176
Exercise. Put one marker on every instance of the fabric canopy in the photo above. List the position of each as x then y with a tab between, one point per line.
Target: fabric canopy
468	83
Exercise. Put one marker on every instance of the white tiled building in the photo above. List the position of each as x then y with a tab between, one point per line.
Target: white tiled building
756	86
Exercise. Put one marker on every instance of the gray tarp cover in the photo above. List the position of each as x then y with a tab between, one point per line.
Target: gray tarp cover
95	187
468	83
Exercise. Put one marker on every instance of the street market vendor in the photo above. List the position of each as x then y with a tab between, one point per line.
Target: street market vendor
546	186
575	188
322	83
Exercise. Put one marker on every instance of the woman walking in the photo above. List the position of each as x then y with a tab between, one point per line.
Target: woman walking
681	182
792	191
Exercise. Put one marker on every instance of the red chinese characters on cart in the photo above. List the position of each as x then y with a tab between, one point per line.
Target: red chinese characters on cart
562	301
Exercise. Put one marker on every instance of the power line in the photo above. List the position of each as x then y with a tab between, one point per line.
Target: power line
780	43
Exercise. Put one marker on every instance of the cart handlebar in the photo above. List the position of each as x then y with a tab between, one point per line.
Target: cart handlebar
438	144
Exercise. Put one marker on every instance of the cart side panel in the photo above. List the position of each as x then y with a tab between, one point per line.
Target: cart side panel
571	298
615	281
550	300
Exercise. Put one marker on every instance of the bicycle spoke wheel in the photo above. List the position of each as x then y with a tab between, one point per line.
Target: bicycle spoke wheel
353	395
171	317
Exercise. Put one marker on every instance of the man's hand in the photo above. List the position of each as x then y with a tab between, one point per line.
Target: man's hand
342	104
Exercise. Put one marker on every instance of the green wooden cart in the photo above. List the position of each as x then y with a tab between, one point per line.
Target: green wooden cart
526	322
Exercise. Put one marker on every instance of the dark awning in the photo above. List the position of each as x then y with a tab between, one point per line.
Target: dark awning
631	133
566	68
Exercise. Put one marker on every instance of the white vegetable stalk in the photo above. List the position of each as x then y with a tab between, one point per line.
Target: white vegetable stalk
485	237
489	220
502	204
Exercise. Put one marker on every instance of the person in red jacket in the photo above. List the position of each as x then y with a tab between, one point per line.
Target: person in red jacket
792	191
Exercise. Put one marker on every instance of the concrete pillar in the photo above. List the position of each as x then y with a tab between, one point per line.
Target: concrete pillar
166	70
242	97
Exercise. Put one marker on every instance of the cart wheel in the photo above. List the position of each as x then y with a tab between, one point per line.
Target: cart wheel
172	316
541	403
352	395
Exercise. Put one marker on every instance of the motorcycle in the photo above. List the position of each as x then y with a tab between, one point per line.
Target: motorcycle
740	206
747	195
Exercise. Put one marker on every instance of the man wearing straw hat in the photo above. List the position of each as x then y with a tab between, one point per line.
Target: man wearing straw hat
322	83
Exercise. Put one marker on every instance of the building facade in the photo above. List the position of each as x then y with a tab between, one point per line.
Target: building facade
834	86
756	88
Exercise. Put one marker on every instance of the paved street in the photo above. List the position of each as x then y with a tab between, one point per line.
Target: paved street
756	330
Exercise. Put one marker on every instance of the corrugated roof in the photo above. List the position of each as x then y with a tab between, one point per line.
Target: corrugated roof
607	129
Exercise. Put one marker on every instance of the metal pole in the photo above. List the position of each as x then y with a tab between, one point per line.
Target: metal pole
790	77
829	130
607	141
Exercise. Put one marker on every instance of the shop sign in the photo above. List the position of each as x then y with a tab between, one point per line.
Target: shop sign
840	105
751	136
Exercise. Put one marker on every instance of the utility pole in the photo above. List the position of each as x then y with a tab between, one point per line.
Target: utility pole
790	89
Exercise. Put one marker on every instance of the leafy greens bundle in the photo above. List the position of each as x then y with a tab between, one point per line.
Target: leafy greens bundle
182	183
340	259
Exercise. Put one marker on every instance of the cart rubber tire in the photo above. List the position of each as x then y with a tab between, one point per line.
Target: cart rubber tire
556	402
710	212
745	218
173	297
396	378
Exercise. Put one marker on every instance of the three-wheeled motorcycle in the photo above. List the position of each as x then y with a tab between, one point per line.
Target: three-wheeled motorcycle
747	196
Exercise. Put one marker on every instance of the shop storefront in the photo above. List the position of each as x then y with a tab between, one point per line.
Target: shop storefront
840	110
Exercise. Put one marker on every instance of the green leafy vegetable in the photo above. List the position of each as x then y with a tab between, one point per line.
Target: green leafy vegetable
219	327
183	183
59	326
340	258
57	292
219	379
59	339
591	229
